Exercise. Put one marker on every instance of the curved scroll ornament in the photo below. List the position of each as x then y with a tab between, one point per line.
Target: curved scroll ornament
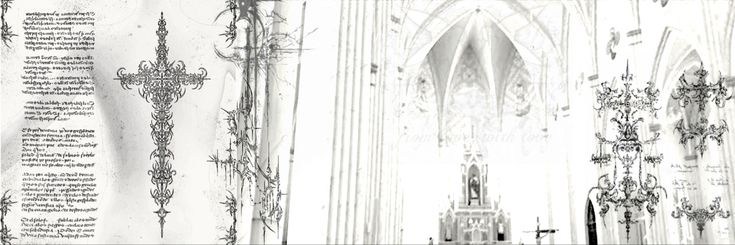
5	203
700	93
699	132
5	33
634	190
161	83
700	215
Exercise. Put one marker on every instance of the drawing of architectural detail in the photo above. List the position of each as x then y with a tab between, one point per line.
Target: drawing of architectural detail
635	189
5	203
6	34
701	215
231	204
699	93
262	48
161	83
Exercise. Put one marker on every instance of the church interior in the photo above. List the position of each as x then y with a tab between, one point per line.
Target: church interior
501	122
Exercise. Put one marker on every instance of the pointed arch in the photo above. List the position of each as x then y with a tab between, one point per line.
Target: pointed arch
590	223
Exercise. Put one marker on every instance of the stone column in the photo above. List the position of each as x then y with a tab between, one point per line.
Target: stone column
340	183
277	121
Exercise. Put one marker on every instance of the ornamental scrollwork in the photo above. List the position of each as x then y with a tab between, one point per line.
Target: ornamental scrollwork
630	189
699	93
701	215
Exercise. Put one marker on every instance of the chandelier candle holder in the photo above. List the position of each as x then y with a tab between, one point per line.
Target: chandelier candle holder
631	189
700	92
700	215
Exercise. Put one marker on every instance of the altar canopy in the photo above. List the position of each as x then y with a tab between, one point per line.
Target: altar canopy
472	216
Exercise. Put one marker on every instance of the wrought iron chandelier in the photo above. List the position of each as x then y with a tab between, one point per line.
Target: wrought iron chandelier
700	215
700	92
242	158
634	190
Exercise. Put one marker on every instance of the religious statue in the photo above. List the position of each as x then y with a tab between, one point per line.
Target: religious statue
474	188
422	98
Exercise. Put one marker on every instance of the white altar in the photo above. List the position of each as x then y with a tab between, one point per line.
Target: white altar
474	218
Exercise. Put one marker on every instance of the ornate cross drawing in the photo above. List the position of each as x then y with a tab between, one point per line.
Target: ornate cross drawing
162	83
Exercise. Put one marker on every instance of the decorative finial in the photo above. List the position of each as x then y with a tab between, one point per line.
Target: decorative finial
162	50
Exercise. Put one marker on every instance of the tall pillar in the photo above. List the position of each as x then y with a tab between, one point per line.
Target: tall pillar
277	122
363	186
344	101
335	185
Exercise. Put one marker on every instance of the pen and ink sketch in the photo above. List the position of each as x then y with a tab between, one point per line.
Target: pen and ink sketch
367	122
6	237
6	34
162	83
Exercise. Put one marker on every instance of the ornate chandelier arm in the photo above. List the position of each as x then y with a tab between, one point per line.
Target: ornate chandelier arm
601	139
715	132
719	92
607	194
651	97
607	98
715	207
684	209
652	140
651	184
680	93
685	134
701	131
700	215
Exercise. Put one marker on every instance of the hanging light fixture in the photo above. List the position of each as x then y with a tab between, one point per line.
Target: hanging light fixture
700	215
699	93
630	189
